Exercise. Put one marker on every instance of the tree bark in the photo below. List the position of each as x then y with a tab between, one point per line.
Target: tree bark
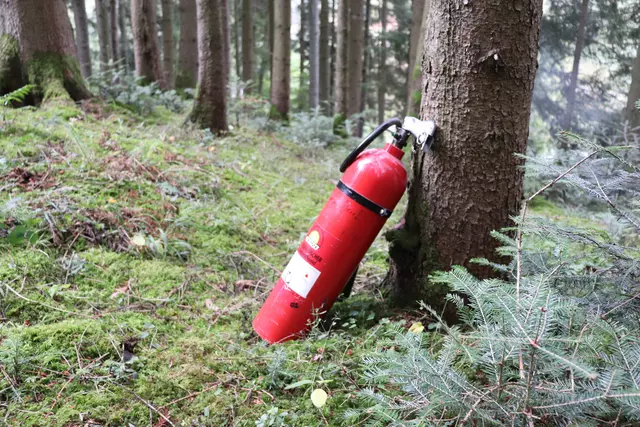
342	64
226	28
569	113
415	56
632	113
272	27
314	55
145	41
281	73
187	73
104	39
382	67
167	42
471	182
247	44
324	83
302	51
365	67
82	36
113	32
332	73
37	47
124	41
355	55
210	106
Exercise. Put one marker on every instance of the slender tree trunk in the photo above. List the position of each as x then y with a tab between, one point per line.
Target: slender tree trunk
365	68
124	41
145	41
382	68
265	55
167	42
236	39
342	64
247	44
470	183
271	33
210	106
314	55
187	73
303	57
104	38
37	47
281	73
226	27
82	36
324	83
632	113
569	113
415	56
332	74
356	56
113	32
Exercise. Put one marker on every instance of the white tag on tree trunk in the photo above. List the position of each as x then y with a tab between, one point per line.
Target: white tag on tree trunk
300	276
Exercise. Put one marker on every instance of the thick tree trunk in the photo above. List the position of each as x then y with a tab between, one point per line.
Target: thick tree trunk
414	77
103	28
569	113
303	55
82	36
145	41
37	47
314	55
632	113
113	32
471	182
356	56
123	41
281	73
210	106
167	42
382	67
342	64
187	73
324	83
247	44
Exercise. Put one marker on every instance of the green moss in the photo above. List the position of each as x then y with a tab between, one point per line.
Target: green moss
10	66
58	76
339	125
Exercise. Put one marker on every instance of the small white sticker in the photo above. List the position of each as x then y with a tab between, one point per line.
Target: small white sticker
300	276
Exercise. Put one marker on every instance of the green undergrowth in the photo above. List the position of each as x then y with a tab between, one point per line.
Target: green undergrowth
134	253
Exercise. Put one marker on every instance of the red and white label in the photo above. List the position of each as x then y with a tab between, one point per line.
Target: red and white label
299	275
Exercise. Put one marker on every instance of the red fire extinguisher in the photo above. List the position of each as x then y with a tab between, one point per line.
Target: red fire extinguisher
372	185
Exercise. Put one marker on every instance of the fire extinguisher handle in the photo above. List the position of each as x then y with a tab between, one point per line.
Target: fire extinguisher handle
367	141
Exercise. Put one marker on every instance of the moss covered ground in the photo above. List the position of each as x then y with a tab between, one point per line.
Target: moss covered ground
134	252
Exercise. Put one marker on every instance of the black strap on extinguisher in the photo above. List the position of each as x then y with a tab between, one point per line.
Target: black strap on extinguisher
363	201
367	141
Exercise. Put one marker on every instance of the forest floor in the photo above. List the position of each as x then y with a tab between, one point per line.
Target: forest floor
134	253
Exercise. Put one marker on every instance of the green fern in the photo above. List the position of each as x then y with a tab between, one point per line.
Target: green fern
17	96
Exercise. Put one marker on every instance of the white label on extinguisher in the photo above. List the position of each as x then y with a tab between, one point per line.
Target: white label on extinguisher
300	276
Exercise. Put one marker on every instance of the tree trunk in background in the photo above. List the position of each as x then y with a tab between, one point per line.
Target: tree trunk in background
247	44
632	113
342	66
167	42
382	67
113	32
37	47
470	183
236	41
226	28
281	72
82	36
415	57
123	41
272	27
187	73
356	56
324	83
332	51
210	106
265	53
314	55
145	41
365	69
569	113
103	26
303	54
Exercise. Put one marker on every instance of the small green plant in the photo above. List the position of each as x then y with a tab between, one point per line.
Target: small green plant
17	96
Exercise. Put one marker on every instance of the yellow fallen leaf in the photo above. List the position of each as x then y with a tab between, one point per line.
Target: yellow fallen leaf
319	397
416	328
112	200
138	240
